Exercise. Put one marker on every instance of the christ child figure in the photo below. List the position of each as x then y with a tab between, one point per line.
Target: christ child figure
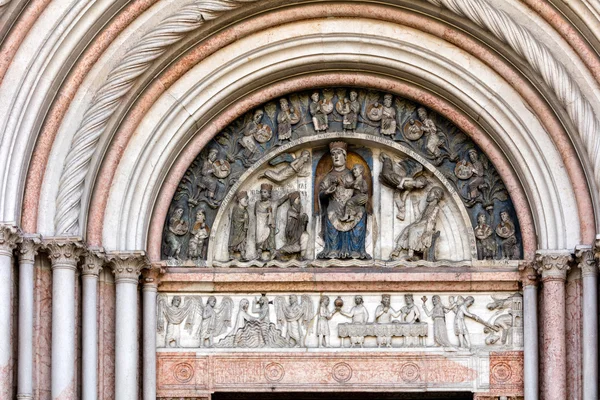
359	196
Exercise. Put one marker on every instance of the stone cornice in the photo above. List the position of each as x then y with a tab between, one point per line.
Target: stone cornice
64	251
10	236
553	264
586	261
29	248
95	259
127	266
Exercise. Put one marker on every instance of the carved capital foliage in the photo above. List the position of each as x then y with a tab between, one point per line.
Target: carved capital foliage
553	264
94	261
585	257
29	248
64	252
528	273
151	277
127	267
10	236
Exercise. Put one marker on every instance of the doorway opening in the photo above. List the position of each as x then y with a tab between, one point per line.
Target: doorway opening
342	396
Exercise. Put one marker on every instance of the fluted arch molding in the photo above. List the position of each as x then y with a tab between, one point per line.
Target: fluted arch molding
11	210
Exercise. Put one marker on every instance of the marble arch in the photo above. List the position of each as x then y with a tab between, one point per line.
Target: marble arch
159	89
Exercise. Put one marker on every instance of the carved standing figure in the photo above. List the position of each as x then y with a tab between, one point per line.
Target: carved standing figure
434	142
177	228
486	245
349	109
295	316
293	168
461	310
266	211
295	227
438	314
171	316
417	239
208	176
215	320
386	114
473	171
238	234
343	239
285	119
197	245
319	109
323	317
506	231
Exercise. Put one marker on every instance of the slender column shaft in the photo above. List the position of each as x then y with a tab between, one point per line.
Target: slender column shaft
89	278
127	269
65	256
553	268
589	272
530	331
150	289
27	252
9	236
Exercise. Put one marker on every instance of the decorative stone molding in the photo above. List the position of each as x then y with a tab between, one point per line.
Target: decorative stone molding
540	58
94	261
151	277
64	252
10	236
553	264
108	99
29	247
127	266
528	274
586	261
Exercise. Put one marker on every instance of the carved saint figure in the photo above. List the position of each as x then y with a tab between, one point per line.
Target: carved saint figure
383	315
254	332
293	168
438	314
506	231
323	317
238	233
261	132
296	237
403	179
294	316
208	175
177	228
413	131
285	119
266	211
198	241
486	245
215	320
410	312
386	114
349	109
434	142
473	171
416	241
170	316
319	109
359	315
461	310
343	239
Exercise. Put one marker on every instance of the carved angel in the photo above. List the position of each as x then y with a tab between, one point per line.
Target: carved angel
170	316
214	320
295	316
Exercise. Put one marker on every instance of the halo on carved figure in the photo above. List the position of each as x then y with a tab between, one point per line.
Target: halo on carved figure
404	223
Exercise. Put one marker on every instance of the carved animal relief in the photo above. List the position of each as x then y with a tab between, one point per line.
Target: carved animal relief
340	177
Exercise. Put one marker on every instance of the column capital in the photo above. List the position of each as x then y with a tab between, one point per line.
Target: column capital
586	261
127	266
30	245
64	251
528	273
553	264
95	258
10	236
151	277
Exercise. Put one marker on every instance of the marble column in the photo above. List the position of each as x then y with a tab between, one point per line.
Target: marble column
27	252
90	270
589	273
64	256
9	237
553	267
127	268
530	332
149	292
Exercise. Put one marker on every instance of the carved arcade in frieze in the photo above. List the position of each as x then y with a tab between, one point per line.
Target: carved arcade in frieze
440	322
340	177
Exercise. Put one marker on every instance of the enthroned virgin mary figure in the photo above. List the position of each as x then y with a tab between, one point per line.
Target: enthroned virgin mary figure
343	196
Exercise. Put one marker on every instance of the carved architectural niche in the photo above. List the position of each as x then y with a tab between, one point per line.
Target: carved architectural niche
553	265
341	177
10	236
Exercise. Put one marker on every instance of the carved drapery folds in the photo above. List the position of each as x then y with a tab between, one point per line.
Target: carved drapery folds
293	183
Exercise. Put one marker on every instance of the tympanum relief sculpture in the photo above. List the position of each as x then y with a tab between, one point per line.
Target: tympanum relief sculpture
453	322
340	177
